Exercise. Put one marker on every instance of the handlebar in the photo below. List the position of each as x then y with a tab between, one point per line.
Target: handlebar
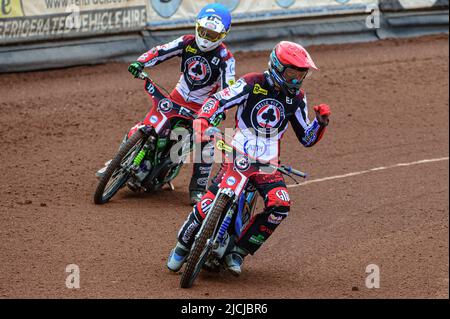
143	76
286	170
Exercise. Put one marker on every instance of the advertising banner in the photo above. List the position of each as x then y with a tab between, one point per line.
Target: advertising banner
30	20
401	5
166	14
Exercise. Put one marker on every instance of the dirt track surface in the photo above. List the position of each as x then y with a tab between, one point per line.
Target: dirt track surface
390	105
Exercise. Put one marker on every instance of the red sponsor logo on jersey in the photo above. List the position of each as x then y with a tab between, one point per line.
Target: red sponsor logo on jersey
266	230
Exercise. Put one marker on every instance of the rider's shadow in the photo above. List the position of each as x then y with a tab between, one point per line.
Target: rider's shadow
222	277
254	277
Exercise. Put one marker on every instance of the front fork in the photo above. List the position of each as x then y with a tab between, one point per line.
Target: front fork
243	207
139	168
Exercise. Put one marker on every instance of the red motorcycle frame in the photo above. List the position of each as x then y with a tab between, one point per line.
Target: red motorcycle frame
144	161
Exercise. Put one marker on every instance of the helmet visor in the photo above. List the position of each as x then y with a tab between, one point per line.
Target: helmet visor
209	34
295	76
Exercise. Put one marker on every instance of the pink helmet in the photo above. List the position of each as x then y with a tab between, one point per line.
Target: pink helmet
289	55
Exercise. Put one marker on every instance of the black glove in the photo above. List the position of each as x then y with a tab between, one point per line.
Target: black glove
136	68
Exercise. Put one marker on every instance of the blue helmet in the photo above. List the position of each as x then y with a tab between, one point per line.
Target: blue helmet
213	24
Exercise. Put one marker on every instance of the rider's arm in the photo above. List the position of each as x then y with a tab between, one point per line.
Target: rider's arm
227	69
220	102
164	52
308	133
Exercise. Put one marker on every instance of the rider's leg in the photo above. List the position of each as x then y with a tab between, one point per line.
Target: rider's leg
261	226
201	170
203	163
191	226
189	229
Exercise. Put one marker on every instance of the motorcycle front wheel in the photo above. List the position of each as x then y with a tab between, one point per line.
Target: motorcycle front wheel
118	171
199	252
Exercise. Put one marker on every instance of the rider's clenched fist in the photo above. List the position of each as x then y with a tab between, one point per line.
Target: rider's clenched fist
323	112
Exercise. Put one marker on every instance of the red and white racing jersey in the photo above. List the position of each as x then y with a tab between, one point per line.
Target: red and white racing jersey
202	73
263	116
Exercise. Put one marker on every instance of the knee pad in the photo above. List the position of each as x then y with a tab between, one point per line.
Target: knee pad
278	197
202	207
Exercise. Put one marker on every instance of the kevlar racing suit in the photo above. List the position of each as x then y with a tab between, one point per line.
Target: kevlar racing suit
202	74
262	117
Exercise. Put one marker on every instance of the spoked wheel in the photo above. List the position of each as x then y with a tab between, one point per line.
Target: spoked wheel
118	171
200	250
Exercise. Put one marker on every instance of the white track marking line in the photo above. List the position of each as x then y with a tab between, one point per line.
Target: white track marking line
425	161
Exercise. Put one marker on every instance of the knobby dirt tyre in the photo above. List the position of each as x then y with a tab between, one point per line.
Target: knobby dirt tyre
190	273
99	196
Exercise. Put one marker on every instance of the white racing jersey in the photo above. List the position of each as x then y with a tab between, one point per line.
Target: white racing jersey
263	116
202	73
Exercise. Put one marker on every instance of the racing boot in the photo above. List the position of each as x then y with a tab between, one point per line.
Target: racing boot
234	260
101	172
196	196
177	257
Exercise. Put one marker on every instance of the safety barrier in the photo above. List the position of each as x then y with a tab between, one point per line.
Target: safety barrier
404	5
43	20
39	34
177	13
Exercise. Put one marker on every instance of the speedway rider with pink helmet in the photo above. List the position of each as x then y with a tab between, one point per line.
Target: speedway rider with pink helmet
266	103
207	66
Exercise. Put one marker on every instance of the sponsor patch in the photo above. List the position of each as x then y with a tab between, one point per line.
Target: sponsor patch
209	106
239	83
257	240
215	61
267	116
205	205
283	195
163	47
154	119
266	230
198	70
191	49
231	181
202	181
150	88
224	147
259	90
223	53
204	170
309	136
242	163
225	94
255	147
165	105
276	220
190	231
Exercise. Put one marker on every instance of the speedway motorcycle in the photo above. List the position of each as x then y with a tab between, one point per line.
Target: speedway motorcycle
230	211
144	162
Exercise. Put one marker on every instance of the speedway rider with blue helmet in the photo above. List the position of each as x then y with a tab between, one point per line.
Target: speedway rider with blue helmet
207	66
